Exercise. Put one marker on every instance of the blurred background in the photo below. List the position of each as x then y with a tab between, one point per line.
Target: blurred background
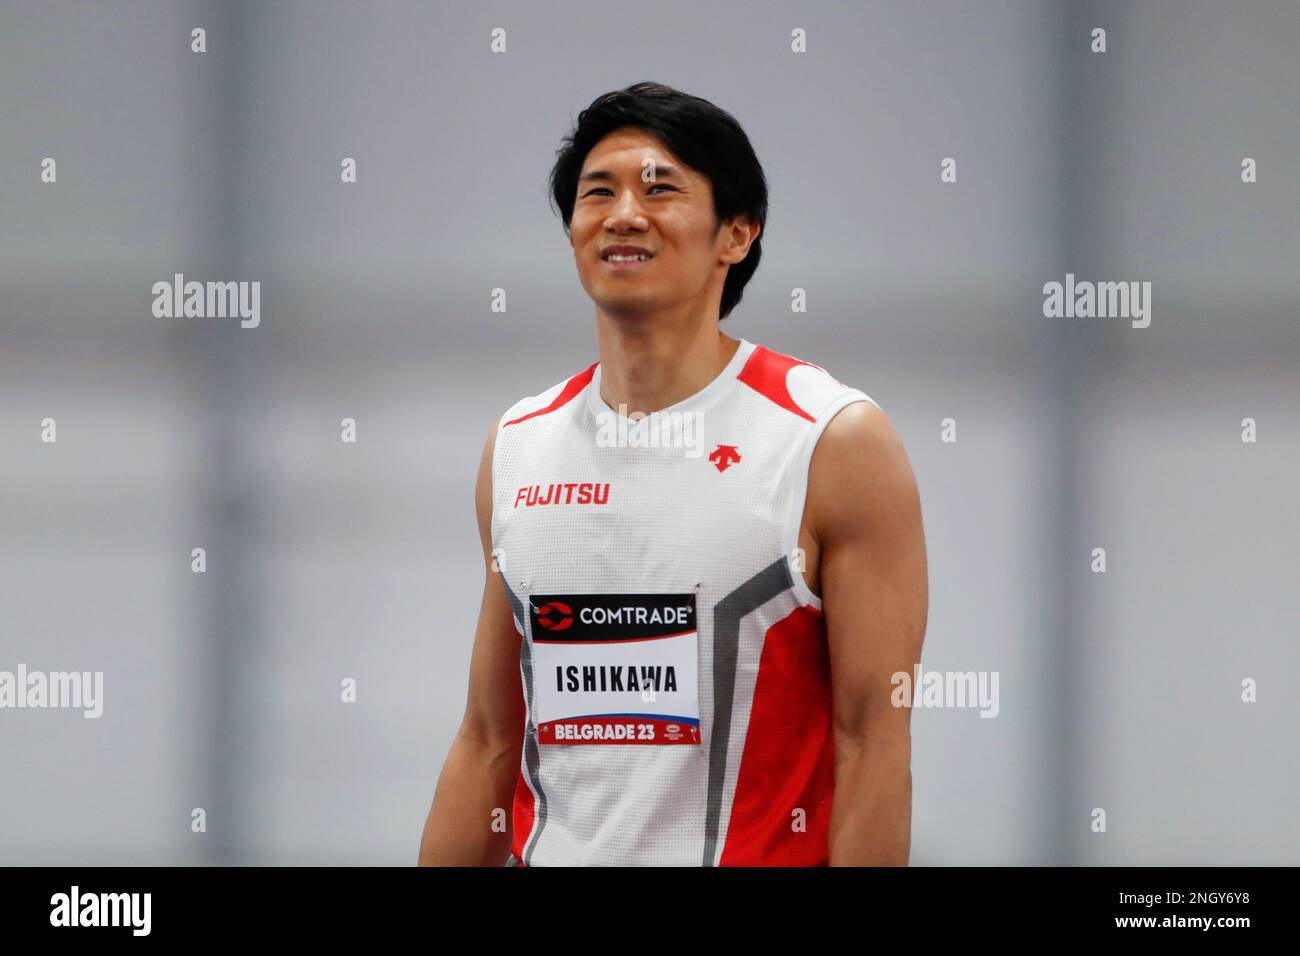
328	561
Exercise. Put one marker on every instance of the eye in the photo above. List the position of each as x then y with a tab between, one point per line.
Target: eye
605	190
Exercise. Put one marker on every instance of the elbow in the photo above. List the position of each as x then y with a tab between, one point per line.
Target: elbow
492	746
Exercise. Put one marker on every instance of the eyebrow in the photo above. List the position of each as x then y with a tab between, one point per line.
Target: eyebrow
604	175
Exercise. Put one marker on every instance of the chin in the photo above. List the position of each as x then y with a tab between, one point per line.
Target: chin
626	306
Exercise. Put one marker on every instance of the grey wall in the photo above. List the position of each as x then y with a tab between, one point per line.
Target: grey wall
327	561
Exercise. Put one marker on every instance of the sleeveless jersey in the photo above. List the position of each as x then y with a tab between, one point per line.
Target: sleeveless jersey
675	667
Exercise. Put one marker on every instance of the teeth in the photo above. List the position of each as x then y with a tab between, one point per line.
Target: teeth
618	258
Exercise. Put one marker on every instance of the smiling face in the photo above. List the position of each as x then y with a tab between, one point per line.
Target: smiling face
643	230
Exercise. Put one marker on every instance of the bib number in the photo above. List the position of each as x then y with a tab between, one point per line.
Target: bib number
615	668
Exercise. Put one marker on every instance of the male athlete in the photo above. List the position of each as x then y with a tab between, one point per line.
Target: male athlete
687	634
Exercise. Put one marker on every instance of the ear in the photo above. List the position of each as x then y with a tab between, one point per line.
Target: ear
738	234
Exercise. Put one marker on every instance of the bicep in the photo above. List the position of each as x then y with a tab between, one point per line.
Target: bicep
867	517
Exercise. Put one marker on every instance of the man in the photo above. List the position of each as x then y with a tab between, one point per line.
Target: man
687	633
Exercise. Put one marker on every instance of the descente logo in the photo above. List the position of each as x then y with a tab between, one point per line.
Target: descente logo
571	493
102	909
208	300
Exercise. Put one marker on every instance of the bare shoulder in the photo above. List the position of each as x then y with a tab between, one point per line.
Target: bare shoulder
860	474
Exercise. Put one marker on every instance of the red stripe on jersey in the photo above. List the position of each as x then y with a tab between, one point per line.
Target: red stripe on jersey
765	372
571	388
789	759
523	814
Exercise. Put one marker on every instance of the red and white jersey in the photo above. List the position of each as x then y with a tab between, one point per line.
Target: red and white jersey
674	661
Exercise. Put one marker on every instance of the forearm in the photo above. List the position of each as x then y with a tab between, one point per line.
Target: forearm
477	780
871	811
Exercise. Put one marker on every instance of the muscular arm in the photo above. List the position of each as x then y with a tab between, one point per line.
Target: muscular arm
482	767
865	515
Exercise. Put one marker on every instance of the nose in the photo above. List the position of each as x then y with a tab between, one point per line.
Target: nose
626	214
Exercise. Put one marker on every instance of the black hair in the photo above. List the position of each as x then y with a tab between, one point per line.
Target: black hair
706	138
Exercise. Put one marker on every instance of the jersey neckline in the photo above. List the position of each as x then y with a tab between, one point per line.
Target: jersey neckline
704	396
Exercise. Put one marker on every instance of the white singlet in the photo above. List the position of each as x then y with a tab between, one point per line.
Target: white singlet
674	662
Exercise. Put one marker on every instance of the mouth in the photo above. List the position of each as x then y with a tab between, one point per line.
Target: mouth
625	258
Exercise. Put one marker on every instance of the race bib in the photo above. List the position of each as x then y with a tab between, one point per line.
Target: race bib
615	668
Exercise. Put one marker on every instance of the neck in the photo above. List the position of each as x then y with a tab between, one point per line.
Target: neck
648	365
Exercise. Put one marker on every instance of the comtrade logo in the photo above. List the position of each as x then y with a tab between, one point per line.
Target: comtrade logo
570	493
610	618
555	616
